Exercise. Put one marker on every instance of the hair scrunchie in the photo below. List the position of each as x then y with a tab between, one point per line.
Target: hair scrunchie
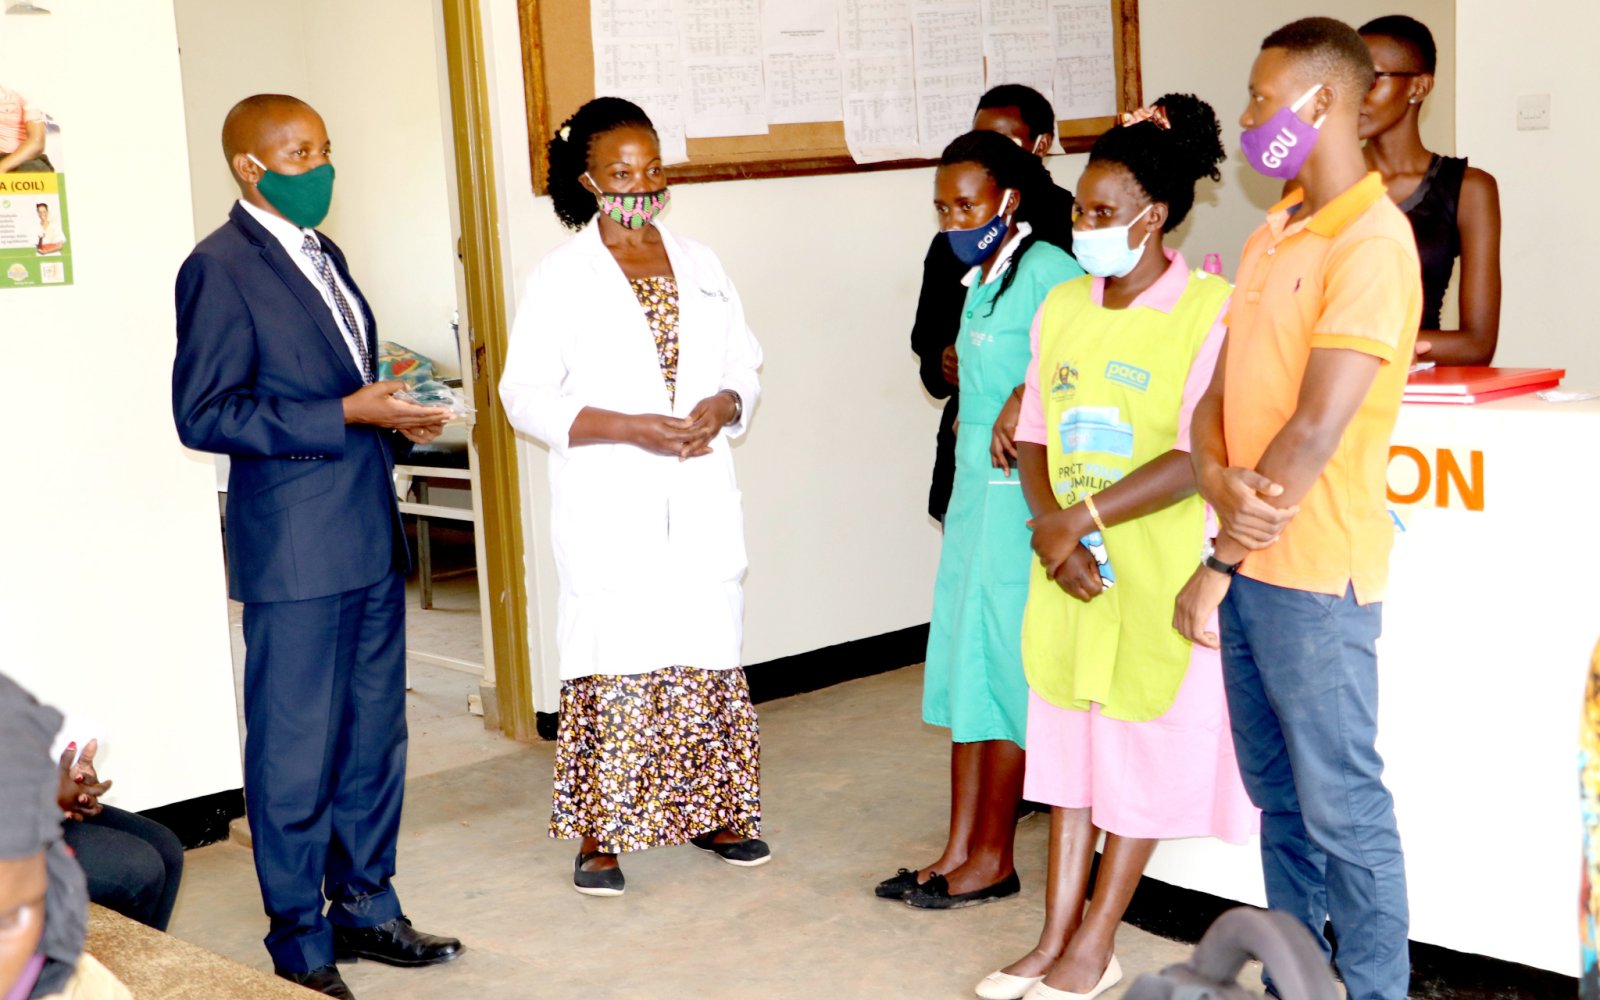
1149	113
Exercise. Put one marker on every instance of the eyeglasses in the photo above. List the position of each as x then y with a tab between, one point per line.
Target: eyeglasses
1380	74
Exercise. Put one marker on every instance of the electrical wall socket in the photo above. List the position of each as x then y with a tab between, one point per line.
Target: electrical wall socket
1533	112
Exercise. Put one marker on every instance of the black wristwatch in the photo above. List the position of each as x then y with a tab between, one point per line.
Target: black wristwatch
1216	565
1226	569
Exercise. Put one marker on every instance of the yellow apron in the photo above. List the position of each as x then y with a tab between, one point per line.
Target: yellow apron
1111	382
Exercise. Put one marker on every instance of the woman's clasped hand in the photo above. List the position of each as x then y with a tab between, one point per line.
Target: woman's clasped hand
686	437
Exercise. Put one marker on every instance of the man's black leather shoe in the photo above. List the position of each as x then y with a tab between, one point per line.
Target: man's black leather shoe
394	943
325	980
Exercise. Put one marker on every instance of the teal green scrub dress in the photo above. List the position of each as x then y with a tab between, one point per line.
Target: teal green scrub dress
973	682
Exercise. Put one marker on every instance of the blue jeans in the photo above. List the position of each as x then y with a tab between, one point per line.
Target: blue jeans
1301	671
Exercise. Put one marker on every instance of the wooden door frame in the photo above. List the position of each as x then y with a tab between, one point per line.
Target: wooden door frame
492	436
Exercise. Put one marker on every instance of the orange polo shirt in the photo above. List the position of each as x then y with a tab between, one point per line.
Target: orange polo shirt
1346	278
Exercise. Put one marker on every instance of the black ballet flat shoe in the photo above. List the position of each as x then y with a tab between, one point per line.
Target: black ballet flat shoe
744	853
935	894
896	887
603	882
395	942
324	979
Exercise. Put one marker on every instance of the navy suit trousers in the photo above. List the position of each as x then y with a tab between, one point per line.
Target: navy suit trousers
325	761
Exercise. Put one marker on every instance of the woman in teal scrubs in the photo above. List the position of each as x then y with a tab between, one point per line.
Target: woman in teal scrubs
983	192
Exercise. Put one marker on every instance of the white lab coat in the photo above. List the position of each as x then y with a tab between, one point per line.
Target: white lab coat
649	551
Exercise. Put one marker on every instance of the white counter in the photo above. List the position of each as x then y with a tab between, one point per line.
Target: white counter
1493	609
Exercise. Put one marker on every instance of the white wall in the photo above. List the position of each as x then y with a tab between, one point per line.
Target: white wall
1547	200
371	68
112	599
835	470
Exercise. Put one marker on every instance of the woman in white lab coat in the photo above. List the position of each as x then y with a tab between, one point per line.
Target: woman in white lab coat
630	359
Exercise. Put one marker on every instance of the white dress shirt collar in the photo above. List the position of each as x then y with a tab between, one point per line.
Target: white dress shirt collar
293	239
290	235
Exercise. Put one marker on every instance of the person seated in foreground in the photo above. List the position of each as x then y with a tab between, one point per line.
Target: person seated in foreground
44	904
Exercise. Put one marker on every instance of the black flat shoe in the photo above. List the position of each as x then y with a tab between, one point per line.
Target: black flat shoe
744	853
903	882
395	943
934	894
325	980
601	882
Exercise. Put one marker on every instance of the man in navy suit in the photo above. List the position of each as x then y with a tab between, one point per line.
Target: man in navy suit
275	369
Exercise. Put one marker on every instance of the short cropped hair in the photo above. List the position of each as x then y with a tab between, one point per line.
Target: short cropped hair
1411	33
1326	45
1032	105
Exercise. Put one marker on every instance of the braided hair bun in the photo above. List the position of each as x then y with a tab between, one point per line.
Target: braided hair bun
1167	162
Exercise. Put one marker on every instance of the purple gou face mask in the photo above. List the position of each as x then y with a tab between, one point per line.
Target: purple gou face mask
1280	147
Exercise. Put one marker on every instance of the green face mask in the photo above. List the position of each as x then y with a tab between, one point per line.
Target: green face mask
302	198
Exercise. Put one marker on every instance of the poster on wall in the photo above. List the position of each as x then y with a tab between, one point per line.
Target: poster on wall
35	245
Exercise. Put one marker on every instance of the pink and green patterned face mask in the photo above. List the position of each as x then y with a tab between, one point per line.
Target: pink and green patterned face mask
634	211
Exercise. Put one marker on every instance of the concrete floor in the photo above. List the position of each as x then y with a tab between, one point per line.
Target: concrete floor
854	786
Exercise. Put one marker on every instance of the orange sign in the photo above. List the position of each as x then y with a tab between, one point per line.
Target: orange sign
1442	477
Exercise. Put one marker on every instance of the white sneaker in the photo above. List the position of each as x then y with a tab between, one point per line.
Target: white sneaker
1004	986
1109	978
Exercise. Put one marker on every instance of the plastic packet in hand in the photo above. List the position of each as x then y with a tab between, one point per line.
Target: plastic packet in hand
432	392
1097	548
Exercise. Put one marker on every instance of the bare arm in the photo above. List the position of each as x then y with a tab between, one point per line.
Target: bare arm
1478	219
653	432
1209	447
1032	466
1335	384
1155	485
31	147
1236	494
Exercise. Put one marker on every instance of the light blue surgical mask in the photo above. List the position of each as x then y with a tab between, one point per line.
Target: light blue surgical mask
1105	253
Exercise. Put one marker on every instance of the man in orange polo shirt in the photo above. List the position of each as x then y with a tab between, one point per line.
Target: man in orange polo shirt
1291	445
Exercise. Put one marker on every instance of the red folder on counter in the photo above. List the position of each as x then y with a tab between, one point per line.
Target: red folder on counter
1465	384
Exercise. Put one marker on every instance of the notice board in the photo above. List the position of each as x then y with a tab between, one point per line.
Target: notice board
559	62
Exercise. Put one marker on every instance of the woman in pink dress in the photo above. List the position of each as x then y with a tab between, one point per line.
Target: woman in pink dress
1127	722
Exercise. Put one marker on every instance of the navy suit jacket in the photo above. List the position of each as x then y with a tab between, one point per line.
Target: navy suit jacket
260	375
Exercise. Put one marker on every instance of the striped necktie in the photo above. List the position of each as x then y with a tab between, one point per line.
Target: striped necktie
352	330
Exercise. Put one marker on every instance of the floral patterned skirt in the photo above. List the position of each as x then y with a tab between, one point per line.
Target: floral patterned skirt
651	760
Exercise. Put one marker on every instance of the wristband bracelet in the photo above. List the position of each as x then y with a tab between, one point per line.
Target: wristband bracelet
1088	503
738	405
1218	566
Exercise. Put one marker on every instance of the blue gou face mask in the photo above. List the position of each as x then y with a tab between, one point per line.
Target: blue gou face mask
974	246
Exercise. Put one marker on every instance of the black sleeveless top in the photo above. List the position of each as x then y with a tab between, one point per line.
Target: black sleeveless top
1432	211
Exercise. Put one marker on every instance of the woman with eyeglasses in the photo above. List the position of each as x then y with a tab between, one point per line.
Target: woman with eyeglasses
1454	208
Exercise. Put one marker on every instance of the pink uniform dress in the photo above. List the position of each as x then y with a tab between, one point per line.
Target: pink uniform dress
1175	775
